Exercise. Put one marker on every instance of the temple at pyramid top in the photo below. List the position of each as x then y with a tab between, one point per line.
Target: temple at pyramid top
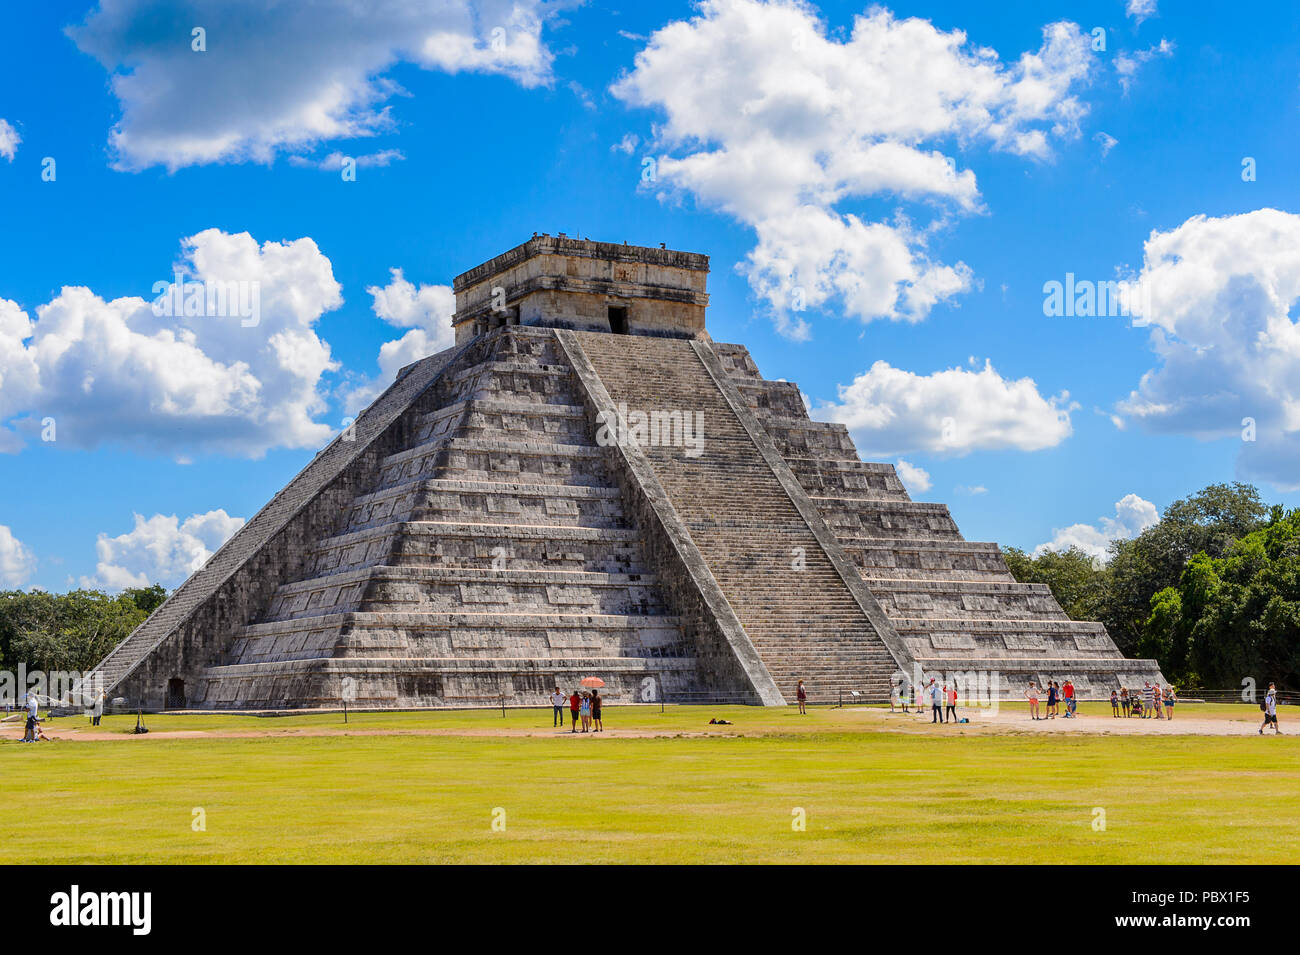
561	282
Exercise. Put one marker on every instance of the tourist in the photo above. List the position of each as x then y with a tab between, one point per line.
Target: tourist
575	707
584	709
557	704
1051	699
1114	704
1270	710
951	695
936	702
802	695
1148	701
1125	703
1170	700
33	707
894	697
97	710
1158	701
595	710
1031	694
1067	693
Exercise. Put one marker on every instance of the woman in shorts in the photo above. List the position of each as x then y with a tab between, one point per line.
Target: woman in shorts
595	710
584	710
1170	700
1031	694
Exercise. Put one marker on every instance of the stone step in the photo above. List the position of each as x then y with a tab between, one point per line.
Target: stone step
832	481
464	544
516	420
563	505
452	680
416	633
497	460
520	380
427	588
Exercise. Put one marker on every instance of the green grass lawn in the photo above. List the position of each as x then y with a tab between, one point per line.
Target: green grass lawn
869	794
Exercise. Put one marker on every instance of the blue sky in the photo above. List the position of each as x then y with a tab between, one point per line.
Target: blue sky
916	188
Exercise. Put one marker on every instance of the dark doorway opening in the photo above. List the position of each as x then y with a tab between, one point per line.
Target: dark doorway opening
175	694
618	319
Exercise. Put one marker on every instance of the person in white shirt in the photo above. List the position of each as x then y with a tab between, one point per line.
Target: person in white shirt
558	700
33	706
1270	710
936	704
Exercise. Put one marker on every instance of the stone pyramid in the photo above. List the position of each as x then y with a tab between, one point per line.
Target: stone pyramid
587	485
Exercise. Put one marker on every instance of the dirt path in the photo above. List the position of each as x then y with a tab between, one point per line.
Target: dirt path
90	734
1014	718
1011	718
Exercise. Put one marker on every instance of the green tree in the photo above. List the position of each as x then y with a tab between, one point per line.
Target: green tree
148	598
1208	521
1237	615
71	631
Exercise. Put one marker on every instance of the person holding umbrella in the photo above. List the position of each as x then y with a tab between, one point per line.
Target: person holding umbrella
594	683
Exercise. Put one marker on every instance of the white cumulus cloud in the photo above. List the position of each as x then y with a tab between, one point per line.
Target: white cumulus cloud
780	124
426	311
1133	515
160	549
277	77
9	140
1141	10
17	563
239	382
891	411
916	479
1222	294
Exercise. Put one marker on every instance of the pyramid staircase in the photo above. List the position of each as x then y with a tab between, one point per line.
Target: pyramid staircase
794	604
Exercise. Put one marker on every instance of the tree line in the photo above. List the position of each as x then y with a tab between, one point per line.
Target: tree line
71	631
1211	591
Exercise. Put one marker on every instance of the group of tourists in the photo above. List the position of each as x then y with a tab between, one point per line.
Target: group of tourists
584	706
1146	703
941	698
1056	694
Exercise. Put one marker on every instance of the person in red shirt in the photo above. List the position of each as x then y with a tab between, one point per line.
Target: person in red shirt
575	703
1067	693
